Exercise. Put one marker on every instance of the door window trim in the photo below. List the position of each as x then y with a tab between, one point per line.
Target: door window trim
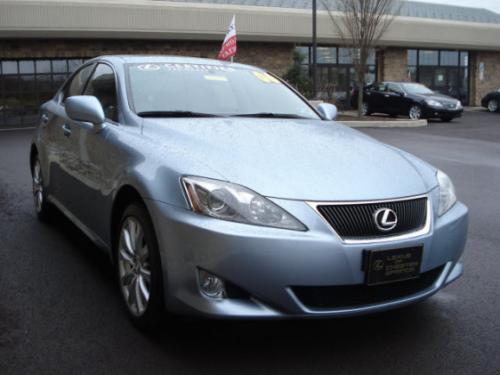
61	92
117	88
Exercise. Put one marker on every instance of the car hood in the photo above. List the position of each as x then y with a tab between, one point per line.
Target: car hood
290	159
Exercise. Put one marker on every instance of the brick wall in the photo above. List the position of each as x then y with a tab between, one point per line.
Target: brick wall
276	57
394	64
491	81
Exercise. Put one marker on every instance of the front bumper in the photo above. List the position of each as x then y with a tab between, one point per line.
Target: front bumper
267	262
431	112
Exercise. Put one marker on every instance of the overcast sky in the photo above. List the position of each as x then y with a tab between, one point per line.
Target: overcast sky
493	5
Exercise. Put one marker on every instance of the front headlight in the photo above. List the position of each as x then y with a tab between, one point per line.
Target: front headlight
433	103
226	201
447	196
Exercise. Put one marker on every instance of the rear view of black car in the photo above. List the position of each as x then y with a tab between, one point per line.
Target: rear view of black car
492	101
407	99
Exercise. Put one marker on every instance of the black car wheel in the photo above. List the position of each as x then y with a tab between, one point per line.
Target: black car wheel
446	119
415	112
493	105
138	267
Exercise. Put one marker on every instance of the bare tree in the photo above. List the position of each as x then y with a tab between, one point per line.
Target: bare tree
361	24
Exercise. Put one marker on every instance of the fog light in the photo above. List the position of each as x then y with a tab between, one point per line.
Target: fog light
211	285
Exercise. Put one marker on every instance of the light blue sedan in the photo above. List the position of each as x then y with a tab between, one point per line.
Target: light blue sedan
218	190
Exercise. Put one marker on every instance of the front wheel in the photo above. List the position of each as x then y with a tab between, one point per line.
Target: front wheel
493	105
446	119
415	112
139	267
43	208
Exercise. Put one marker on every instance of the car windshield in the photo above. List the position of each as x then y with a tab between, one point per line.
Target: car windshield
415	88
198	90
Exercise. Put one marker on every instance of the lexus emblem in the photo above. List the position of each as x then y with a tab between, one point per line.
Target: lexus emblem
385	219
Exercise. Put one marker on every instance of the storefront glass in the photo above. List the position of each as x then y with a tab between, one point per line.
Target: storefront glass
443	71
25	84
335	72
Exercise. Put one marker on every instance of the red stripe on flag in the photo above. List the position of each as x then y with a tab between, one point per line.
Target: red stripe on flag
228	49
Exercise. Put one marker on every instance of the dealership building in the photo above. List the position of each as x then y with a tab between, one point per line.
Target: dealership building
451	49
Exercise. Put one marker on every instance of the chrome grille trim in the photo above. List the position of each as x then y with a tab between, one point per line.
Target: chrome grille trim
420	232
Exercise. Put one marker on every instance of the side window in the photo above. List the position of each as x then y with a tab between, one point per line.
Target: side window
391	87
75	86
380	87
102	85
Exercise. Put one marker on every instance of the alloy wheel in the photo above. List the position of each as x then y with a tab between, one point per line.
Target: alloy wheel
133	266
38	186
493	105
415	112
364	109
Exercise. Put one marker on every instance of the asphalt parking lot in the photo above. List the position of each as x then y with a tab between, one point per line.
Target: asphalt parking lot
60	310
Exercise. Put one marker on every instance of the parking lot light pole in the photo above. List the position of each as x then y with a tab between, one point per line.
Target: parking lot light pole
314	48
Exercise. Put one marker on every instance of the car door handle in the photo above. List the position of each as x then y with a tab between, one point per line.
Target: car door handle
66	130
387	95
44	119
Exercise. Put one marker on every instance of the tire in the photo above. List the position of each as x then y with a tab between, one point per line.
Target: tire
365	109
493	105
138	268
415	112
446	119
43	209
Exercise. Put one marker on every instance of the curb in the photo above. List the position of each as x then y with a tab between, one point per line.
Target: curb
386	124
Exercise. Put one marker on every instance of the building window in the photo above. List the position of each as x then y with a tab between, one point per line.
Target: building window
26	84
335	72
430	58
443	71
327	55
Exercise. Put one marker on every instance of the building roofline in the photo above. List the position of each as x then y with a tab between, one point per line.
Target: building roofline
169	20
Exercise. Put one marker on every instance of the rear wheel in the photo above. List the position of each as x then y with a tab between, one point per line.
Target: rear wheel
415	112
139	267
43	208
446	119
365	109
493	105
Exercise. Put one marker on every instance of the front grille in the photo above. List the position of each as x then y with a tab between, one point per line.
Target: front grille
356	221
351	296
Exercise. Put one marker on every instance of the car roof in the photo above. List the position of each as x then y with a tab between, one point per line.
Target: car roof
145	59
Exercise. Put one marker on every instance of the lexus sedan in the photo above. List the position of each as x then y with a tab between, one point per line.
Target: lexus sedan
492	101
408	99
217	190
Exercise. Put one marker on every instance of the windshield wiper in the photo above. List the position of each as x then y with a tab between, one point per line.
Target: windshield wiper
175	114
272	115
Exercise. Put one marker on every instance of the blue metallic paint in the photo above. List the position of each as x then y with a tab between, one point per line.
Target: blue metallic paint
288	161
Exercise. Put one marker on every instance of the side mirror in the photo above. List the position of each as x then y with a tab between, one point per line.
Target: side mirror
85	108
327	111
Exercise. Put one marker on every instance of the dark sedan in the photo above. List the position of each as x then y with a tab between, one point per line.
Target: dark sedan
408	99
492	101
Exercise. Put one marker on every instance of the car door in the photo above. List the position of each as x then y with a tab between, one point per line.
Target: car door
94	154
61	155
374	97
394	99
